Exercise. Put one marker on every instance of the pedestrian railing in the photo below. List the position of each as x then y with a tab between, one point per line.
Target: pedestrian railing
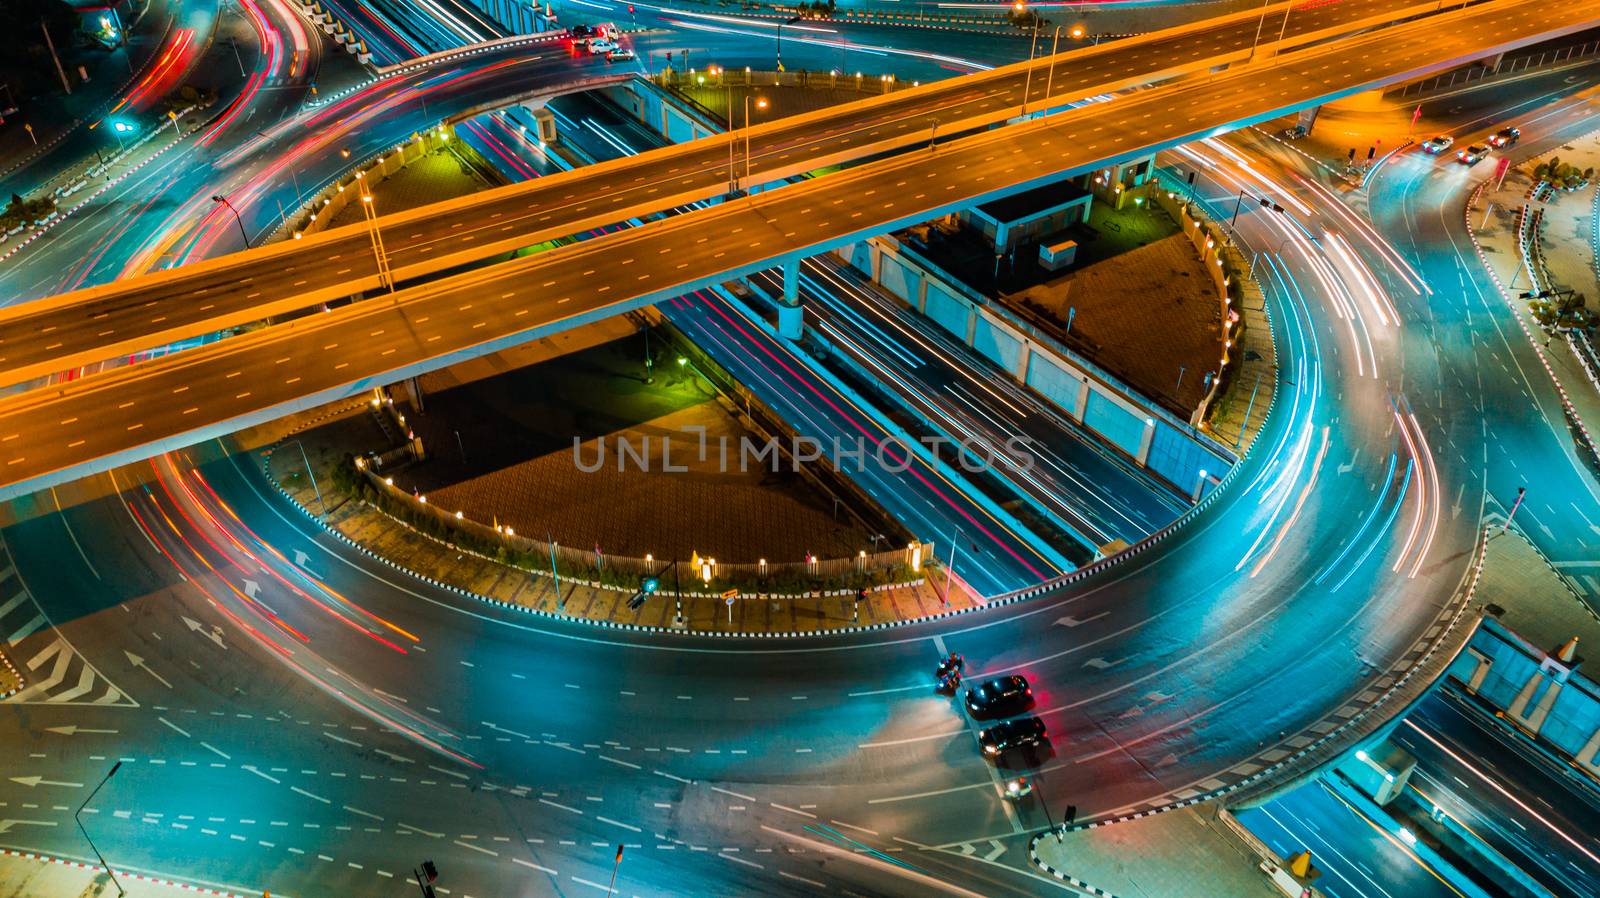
1505	67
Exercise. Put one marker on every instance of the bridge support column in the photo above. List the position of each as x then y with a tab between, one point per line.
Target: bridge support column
1143	458
1307	118
791	317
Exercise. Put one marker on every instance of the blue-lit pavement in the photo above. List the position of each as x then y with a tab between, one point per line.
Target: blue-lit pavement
1358	858
1080	484
1531	811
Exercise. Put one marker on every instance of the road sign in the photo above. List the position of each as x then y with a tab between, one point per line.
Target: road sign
730	595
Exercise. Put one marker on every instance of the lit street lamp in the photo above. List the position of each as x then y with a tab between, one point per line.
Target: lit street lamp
761	103
219	198
370	213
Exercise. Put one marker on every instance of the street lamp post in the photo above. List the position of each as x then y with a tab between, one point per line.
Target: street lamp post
219	198
612	888
313	474
78	817
761	103
949	571
1050	73
780	40
1027	84
370	213
1260	23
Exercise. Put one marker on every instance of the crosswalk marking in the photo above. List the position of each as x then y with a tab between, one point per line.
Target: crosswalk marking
26	633
27	629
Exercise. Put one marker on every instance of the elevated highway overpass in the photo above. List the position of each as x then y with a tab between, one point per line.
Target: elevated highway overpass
50	436
84	327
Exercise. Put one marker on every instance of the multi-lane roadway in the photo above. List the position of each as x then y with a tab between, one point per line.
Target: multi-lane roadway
1289	606
102	322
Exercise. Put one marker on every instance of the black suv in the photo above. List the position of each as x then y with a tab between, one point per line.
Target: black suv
1024	732
1505	137
584	31
999	697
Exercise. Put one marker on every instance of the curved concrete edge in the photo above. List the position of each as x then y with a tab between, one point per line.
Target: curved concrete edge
1034	591
1062	875
1007	599
124	873
1426	649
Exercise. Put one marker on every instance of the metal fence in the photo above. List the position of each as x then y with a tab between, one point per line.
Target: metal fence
717	77
1506	66
597	568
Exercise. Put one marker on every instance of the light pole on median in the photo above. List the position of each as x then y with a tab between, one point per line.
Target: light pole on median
1260	23
370	213
780	40
1050	72
77	816
1033	48
219	198
1285	29
313	475
761	103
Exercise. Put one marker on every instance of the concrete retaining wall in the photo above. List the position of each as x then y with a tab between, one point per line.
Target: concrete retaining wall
1154	439
1536	692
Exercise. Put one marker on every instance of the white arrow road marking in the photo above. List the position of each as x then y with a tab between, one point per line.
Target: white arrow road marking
251	588
214	634
300	560
138	662
74	729
1101	663
1070	621
32	781
999	849
1345	469
506	731
967	850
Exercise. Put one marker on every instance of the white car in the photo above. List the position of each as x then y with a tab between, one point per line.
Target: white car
620	54
1437	145
601	45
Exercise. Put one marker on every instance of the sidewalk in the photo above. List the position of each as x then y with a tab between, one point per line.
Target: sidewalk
25	875
1190	852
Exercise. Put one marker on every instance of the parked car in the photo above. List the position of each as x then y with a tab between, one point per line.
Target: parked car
1505	137
999	697
1472	155
1023	732
1438	144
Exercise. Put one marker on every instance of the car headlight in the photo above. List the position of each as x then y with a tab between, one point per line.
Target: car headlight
991	749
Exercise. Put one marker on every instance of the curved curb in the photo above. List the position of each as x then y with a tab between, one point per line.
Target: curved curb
1062	875
15	674
124	874
1412	665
